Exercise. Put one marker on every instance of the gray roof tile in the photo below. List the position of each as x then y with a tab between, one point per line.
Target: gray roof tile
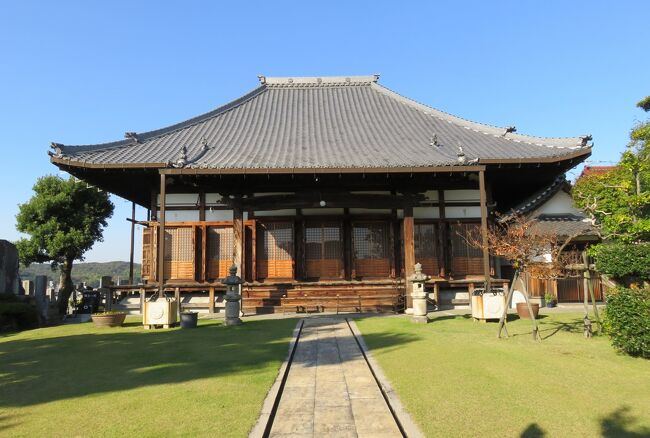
329	122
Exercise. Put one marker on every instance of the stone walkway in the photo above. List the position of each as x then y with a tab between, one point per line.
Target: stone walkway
330	390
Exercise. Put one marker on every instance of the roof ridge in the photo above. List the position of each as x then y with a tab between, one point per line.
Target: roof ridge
317	81
484	128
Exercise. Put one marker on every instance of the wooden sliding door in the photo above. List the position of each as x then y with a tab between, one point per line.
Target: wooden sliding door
179	253
371	249
324	249
220	242
426	248
275	250
465	259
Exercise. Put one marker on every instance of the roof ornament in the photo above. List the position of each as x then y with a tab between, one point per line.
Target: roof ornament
462	159
132	136
509	129
57	149
434	140
262	79
182	158
584	139
204	144
376	75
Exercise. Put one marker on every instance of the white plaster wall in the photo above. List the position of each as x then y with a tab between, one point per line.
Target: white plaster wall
426	212
462	195
180	199
219	215
560	203
213	198
431	195
462	212
291	212
181	215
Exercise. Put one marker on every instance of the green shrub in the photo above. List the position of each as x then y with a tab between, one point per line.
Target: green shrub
627	320
620	260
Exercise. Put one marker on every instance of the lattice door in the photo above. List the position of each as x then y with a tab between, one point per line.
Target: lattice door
275	250
179	253
426	248
324	250
371	249
147	248
220	242
465	259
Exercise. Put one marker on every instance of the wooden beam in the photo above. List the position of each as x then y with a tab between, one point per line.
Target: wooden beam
442	230
408	225
484	226
336	200
201	206
161	236
132	243
211	298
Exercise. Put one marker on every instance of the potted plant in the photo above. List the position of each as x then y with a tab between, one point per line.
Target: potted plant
550	300
522	310
108	319
189	319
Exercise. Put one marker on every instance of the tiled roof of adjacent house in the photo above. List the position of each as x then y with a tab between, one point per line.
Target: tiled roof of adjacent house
322	123
567	225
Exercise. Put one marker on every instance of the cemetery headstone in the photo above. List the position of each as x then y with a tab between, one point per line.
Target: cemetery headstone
9	277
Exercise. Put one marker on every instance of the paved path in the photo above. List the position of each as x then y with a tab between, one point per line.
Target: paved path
330	390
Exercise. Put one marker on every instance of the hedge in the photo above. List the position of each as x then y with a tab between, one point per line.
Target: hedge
627	320
619	260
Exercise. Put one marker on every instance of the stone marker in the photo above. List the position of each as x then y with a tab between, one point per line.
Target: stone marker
232	297
9	277
42	302
28	287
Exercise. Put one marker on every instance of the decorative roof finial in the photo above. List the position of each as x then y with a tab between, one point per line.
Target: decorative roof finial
132	136
182	157
434	140
509	130
57	149
262	79
204	144
584	139
462	159
376	75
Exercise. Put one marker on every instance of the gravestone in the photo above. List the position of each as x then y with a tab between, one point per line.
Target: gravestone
9	277
28	287
40	296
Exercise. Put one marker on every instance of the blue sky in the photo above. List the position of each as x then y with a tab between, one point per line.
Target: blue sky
86	72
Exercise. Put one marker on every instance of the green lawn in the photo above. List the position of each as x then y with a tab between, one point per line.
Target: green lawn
77	380
457	379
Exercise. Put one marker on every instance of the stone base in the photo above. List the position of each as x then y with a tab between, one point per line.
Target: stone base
409	311
420	319
232	321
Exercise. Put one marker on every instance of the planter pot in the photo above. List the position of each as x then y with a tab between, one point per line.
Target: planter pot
551	304
110	320
522	310
189	319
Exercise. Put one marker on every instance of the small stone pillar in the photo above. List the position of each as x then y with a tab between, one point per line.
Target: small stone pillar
28	287
232	297
40	288
418	295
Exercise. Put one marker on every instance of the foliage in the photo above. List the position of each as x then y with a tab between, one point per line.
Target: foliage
89	273
64	219
619	200
549	297
627	320
621	260
15	314
110	312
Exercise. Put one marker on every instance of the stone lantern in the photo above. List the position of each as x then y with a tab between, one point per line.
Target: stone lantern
233	297
418	295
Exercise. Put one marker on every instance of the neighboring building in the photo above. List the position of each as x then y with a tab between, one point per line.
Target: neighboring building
554	214
320	186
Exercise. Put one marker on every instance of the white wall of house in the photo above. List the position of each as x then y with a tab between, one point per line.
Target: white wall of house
559	203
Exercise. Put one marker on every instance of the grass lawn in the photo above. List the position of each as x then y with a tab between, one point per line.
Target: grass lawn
457	379
78	380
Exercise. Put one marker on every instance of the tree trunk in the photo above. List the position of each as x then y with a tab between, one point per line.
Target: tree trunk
65	285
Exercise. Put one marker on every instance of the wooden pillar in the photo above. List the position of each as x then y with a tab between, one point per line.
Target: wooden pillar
211	298
484	225
238	239
442	231
201	206
142	298
161	235
409	251
132	242
177	296
299	236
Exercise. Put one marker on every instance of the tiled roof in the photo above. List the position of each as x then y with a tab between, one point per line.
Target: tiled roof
596	170
537	199
563	226
330	122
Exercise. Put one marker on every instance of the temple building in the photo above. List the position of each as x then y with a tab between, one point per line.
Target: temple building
320	187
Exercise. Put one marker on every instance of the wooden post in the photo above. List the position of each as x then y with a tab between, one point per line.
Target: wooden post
238	239
161	235
409	251
132	242
201	206
211	303
442	231
484	229
177	296
142	298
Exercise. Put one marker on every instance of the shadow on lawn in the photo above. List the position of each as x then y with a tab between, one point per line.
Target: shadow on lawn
621	424
34	371
533	431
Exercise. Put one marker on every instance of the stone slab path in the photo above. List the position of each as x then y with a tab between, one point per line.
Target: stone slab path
330	390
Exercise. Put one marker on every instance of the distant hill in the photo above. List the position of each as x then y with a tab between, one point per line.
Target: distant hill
83	272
